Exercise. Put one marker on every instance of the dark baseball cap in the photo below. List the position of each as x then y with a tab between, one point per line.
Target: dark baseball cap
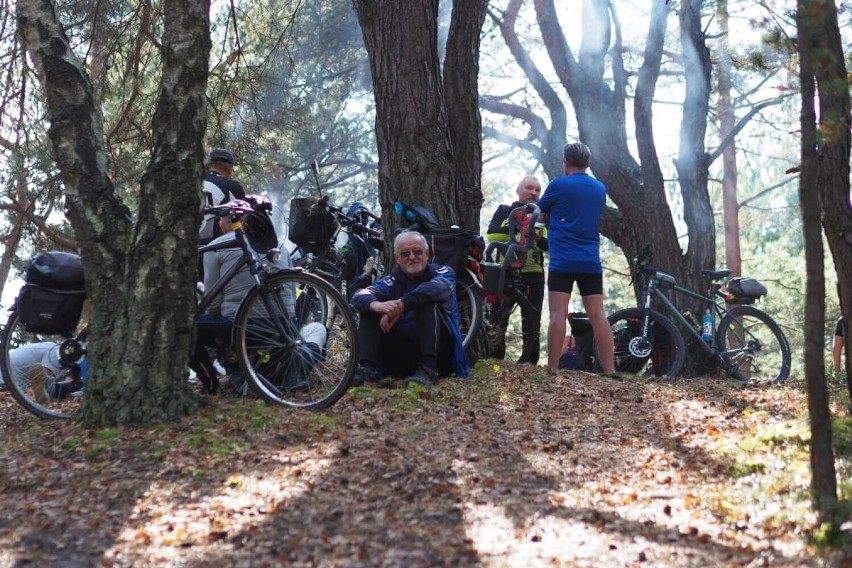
221	155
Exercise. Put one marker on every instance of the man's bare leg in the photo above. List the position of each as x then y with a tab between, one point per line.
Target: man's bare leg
593	304
558	303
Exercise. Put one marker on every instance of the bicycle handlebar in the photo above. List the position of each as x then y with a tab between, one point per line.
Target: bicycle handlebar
347	221
231	208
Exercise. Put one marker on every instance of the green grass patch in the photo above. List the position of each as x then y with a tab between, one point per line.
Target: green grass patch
107	435
214	443
94	451
72	444
841	430
745	469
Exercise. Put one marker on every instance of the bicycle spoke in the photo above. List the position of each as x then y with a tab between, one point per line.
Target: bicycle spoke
38	373
511	330
660	352
753	345
302	357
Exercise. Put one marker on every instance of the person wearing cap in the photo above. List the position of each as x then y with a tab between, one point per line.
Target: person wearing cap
220	171
574	204
532	272
219	187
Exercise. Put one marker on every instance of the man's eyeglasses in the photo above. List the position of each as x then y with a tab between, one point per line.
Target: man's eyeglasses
411	253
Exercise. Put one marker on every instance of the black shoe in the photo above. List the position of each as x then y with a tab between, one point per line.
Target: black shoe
424	376
238	383
364	375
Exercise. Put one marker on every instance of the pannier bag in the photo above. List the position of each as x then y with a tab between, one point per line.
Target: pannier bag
310	227
456	248
744	291
51	300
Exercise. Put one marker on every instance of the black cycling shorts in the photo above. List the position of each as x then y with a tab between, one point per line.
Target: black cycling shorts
588	283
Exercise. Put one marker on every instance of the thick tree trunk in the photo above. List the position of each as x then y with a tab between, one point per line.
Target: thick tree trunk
415	154
461	92
140	277
426	158
833	178
817	165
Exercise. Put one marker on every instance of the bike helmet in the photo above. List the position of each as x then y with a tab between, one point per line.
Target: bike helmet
354	208
415	217
258	228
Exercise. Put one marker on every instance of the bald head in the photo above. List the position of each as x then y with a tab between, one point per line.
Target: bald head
529	189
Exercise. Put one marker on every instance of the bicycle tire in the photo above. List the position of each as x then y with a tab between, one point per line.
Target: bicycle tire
753	345
661	353
509	328
470	307
36	390
279	363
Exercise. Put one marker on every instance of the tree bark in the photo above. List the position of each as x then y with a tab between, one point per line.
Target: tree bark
422	159
461	95
833	181
820	162
140	276
415	154
727	122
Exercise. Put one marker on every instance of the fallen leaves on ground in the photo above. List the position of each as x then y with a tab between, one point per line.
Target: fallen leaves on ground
515	467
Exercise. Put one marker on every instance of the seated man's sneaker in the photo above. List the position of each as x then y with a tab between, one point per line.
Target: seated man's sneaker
364	375
424	376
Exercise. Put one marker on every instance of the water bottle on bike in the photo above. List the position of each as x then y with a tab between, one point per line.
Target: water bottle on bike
707	327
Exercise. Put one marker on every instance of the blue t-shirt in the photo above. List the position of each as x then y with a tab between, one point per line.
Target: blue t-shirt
575	203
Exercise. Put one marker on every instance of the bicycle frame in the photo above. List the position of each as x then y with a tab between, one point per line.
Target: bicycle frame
249	258
659	281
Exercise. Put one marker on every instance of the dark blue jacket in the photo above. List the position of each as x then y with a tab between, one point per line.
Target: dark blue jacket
436	285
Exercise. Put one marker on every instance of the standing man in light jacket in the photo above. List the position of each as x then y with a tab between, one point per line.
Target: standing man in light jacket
532	272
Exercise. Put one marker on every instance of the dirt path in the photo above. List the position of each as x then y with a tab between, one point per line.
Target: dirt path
520	469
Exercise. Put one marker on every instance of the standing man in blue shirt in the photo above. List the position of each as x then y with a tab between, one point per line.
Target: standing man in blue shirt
574	204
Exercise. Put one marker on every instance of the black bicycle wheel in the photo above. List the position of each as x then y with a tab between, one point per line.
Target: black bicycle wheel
41	371
660	352
753	346
300	353
511	333
470	307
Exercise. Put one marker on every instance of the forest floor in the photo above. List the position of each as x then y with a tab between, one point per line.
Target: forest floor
514	467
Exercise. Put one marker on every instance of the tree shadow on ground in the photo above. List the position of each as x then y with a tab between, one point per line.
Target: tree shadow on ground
518	469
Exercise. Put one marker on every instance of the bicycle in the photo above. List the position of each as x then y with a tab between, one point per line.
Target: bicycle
279	365
314	228
507	313
747	344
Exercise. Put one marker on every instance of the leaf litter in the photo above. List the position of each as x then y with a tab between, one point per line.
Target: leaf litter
514	467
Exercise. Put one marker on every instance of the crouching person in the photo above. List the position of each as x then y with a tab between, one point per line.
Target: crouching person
408	324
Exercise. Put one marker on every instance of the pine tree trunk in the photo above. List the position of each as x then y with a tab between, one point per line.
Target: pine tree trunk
818	157
416	163
461	91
